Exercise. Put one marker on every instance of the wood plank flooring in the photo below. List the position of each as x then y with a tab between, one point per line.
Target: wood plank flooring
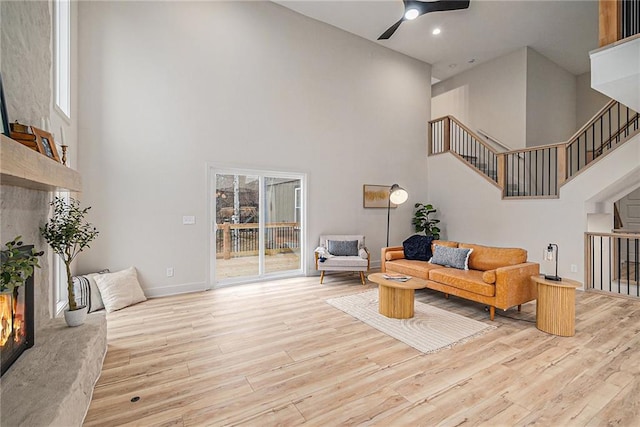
275	353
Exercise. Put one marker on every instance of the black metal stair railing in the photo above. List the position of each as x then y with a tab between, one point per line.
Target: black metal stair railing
630	17
537	171
613	125
613	261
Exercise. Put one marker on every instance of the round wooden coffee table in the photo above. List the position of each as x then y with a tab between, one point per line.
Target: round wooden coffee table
556	306
395	299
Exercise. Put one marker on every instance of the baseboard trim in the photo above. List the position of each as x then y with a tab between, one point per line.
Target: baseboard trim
183	288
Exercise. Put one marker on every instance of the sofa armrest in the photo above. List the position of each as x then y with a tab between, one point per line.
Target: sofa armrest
514	285
383	256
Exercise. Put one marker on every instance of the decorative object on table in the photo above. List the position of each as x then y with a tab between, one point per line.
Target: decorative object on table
16	264
23	134
376	196
46	144
4	118
397	196
550	254
422	223
64	154
120	289
431	329
68	234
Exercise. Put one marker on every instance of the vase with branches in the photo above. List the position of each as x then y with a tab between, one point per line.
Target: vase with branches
68	234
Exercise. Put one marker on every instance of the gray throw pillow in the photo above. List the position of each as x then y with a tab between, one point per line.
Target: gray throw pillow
343	247
451	257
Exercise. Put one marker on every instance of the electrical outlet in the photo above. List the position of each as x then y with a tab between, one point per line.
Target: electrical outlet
169	271
188	220
574	268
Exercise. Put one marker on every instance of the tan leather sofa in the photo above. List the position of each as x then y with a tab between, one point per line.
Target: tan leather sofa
498	277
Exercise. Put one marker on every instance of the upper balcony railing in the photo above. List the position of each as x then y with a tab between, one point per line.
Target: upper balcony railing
536	171
619	19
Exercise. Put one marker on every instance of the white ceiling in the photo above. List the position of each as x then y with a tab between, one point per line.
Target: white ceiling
563	31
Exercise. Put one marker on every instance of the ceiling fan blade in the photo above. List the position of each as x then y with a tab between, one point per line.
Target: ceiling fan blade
443	6
392	29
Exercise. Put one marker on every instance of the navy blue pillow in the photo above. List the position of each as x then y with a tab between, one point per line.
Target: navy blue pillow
418	247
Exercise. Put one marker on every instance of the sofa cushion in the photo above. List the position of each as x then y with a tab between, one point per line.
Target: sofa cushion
469	280
451	257
412	268
489	258
418	247
391	255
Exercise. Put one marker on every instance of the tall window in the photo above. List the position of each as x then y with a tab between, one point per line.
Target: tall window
62	40
59	275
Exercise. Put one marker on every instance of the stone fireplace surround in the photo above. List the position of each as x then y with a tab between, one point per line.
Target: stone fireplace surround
51	383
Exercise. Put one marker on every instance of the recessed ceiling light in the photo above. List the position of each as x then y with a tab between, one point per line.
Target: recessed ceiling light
436	31
472	60
411	14
453	65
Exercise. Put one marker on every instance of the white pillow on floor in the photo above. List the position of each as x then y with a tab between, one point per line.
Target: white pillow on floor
120	289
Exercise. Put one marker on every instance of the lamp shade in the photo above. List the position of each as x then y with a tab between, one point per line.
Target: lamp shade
397	194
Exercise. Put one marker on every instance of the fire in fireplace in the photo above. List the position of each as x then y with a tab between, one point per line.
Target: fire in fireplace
17	322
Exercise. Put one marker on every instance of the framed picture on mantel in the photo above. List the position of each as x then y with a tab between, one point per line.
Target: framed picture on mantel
4	119
46	144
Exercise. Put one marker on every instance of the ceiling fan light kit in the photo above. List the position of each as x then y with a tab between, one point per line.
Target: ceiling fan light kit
415	8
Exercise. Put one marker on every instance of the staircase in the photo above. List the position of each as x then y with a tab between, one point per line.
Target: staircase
536	172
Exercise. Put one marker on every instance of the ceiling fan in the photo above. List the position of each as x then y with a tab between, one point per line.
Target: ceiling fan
415	8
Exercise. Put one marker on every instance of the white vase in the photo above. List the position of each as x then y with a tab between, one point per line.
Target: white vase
76	317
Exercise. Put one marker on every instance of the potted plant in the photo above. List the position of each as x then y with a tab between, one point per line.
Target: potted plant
68	234
16	265
423	223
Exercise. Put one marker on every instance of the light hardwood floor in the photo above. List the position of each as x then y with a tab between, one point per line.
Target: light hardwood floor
275	353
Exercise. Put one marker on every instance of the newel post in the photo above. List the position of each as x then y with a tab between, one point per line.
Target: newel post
501	171
447	134
561	153
226	240
610	21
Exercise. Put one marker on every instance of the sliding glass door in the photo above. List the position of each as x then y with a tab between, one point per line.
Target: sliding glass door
258	226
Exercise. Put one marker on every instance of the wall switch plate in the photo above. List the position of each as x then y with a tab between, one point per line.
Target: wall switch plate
188	220
169	271
574	268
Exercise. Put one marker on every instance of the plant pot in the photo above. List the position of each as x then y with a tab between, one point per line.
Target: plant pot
76	317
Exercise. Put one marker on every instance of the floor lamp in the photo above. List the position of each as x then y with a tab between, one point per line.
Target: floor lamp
397	196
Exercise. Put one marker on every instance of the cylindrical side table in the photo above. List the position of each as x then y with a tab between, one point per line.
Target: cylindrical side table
556	306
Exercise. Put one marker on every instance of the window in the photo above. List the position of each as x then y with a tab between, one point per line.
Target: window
59	275
62	40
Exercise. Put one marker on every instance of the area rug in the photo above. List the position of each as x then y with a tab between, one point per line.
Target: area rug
430	330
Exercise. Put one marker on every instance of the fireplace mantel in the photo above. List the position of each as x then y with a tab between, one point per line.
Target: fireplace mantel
23	167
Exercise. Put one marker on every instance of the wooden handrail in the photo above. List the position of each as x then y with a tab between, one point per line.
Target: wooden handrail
617	235
475	135
593	119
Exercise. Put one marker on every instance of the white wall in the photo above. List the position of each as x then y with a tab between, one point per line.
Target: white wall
588	101
496	97
168	87
551	101
472	210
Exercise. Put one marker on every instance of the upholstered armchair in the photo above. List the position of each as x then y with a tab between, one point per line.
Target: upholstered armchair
342	253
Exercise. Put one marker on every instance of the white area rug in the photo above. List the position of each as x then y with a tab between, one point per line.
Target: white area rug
430	330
